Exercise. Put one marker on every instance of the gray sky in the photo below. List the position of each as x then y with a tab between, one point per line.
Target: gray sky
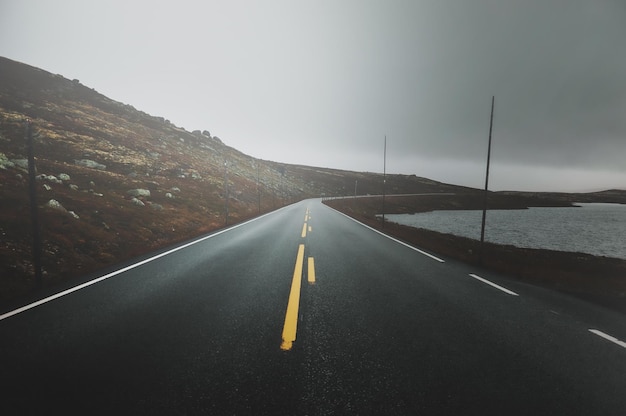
322	82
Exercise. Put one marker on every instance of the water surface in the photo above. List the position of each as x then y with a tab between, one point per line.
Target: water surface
597	229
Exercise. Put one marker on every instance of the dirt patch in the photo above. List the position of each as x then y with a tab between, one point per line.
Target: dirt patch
598	279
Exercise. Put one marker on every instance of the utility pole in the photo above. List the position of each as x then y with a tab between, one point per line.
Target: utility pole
384	177
34	214
482	227
258	182
226	193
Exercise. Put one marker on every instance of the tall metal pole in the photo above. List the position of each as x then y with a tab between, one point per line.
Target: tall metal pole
384	177
482	227
34	214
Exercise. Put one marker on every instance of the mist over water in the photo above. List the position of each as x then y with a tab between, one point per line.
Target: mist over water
597	229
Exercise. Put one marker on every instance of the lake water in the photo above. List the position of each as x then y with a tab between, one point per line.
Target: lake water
598	229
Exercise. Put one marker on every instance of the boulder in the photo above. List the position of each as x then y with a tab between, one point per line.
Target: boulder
88	163
5	162
21	163
54	204
139	192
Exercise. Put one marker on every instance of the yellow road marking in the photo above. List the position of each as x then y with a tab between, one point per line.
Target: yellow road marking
304	230
291	317
311	273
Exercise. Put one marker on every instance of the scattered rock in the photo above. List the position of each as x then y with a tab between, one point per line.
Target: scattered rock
157	207
169	195
73	214
175	189
46	187
73	187
53	179
5	162
88	163
139	192
21	163
54	204
92	184
64	177
137	202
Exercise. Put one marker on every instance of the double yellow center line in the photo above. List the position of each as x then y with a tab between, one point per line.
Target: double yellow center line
291	316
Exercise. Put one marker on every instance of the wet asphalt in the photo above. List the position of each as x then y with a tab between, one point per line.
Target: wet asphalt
383	330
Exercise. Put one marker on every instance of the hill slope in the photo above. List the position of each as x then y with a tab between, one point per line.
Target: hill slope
127	182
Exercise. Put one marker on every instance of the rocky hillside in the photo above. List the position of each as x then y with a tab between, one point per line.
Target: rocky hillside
114	182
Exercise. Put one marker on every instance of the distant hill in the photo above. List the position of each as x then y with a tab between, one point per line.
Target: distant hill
115	182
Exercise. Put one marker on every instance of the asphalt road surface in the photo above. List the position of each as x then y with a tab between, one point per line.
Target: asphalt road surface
306	312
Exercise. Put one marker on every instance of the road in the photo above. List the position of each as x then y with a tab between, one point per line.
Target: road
379	329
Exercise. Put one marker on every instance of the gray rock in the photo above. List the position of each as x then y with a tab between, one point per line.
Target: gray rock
53	179
139	192
46	187
54	204
137	202
88	163
73	187
21	163
5	162
73	214
169	195
64	177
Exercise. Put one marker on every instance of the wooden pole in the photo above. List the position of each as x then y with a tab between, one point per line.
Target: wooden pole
34	212
384	177
482	227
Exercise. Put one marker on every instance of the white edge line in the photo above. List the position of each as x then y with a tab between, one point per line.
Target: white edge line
494	285
125	269
608	337
389	237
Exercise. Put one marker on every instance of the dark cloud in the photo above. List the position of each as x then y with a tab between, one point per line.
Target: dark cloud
321	83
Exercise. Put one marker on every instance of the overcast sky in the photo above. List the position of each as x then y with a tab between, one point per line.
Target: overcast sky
322	82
